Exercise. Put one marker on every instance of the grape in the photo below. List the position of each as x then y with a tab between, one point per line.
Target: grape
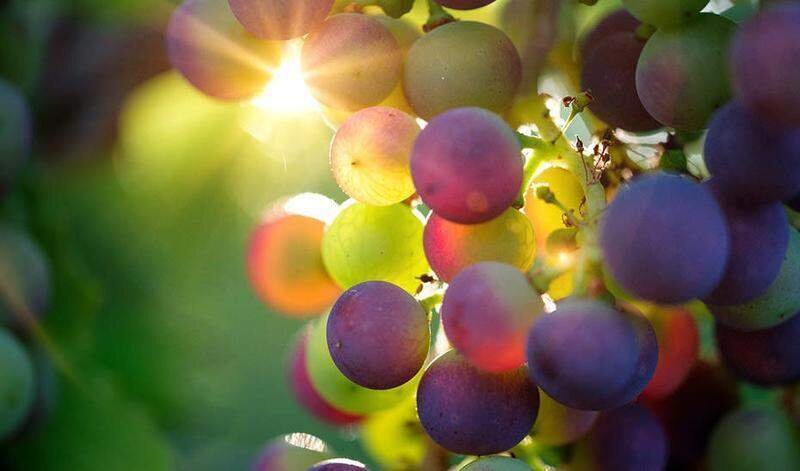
394	438
759	240
558	424
292	452
663	13
765	357
450	247
338	464
750	160
588	356
467	165
339	391
751	438
17	386
471	412
304	391
779	303
366	243
496	463
45	395
678	347
664	239
351	62
609	74
619	21
16	130
766	63
370	155
464	4
545	217
625	439
682	73
378	335
280	19
213	52
487	312
284	264
461	64
24	280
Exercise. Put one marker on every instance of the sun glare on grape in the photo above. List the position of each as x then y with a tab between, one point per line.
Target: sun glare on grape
286	91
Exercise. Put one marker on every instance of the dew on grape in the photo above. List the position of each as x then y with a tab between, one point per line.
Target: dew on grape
280	19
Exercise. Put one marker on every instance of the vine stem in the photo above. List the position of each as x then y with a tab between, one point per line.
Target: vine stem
437	16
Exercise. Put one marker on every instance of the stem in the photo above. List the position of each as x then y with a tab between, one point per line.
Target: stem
437	16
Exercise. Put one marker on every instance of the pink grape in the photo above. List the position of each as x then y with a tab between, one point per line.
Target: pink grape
280	19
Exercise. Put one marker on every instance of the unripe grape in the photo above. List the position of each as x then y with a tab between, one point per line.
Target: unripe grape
292	452
664	13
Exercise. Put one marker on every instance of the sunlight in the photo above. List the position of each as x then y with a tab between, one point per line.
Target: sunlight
286	92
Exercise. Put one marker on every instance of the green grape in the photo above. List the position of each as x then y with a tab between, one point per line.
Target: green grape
395	438
367	243
557	424
663	13
496	463
16	384
778	304
339	391
754	439
548	218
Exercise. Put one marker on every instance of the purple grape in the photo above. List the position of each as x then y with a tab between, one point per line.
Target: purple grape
766	357
464	4
759	240
589	356
750	160
619	21
378	335
766	63
280	19
487	312
609	74
664	239
339	464
472	412
467	165
625	439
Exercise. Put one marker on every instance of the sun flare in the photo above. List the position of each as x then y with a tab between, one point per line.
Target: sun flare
286	92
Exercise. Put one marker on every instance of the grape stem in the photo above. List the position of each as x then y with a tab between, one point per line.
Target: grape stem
437	16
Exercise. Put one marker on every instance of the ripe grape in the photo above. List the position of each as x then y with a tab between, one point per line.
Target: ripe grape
15	135
496	463
284	264
588	356
339	391
395	436
609	74
558	424
351	62
682	74
664	239
292	452
370	155
472	412
754	438
619	21
17	386
304	391
280	19
214	53
678	348
662	13
625	439
339	464
464	4
765	357
467	165
487	312
450	247
366	243
548	218
759	240
779	303
438	78
750	160
378	335
766	63
24	280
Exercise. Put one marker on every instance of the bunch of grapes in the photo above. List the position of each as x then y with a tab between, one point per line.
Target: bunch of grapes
563	247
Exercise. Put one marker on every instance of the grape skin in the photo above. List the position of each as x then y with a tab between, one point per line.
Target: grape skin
643	235
351	61
437	78
678	346
496	463
378	335
292	452
682	74
754	438
467	165
16	133
209	47
614	23
558	424
487	312
24	278
766	63
450	247
471	412
464	4
280	19
545	217
339	464
663	13
17	386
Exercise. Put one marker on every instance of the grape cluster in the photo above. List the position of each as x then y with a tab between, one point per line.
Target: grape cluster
572	269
